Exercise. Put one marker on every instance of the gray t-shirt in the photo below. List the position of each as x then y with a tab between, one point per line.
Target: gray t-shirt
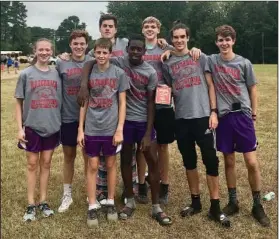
118	48
189	86
143	78
102	113
42	99
232	80
70	73
153	57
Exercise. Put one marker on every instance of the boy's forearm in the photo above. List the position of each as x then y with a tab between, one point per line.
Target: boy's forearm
85	73
253	99
211	91
82	114
150	112
122	112
19	113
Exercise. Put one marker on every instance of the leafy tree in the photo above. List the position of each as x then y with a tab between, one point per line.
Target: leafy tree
64	30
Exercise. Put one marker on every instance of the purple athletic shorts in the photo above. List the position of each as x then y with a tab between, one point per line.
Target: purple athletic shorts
236	132
134	131
69	132
37	143
95	145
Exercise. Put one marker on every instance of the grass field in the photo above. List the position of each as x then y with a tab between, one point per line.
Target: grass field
72	224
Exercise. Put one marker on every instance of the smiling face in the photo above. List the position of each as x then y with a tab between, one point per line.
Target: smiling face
180	39
78	46
150	30
102	55
43	51
136	50
225	44
108	29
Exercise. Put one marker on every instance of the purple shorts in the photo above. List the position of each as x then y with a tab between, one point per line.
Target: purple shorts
95	145
37	143
236	132
134	131
69	133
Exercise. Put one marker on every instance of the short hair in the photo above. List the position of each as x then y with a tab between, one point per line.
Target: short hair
105	17
103	43
136	37
178	25
152	20
79	33
225	31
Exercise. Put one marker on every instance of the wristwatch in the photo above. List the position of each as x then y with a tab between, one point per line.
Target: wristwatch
215	110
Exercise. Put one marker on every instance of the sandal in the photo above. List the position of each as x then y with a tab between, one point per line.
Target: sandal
189	211
162	218
126	213
220	218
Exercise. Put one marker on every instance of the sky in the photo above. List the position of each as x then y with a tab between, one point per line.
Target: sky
51	14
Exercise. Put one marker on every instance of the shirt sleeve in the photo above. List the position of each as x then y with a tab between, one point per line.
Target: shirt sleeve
153	81
210	63
204	63
249	74
124	83
20	86
166	75
118	61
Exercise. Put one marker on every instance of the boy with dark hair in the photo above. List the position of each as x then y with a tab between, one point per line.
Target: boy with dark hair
236	92
70	73
103	132
196	120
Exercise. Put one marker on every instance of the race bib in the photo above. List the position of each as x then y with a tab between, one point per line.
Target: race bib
163	95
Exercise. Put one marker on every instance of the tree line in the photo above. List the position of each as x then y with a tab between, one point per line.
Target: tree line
256	24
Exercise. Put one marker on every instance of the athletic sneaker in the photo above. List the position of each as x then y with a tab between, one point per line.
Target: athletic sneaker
220	218
66	202
231	208
44	207
190	211
259	214
92	218
30	214
111	213
142	194
102	199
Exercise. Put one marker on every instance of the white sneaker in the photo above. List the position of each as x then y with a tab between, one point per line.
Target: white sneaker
66	202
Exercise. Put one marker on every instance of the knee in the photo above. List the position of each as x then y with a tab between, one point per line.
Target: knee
229	160
212	165
46	164
190	162
69	157
31	167
110	164
93	166
252	165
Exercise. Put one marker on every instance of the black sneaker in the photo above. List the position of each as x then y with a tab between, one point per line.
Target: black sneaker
220	218
112	214
45	209
142	194
164	194
92	218
259	214
231	208
190	211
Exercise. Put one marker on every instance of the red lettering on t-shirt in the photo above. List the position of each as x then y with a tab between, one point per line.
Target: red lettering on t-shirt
39	83
233	72
176	67
117	53
140	95
44	104
187	82
111	82
73	71
136	77
151	57
100	102
72	90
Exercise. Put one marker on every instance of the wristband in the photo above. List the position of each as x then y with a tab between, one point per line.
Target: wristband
215	110
254	117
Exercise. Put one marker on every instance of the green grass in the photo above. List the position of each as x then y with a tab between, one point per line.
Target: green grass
72	224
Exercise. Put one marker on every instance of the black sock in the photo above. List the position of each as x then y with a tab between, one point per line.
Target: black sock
215	206
196	201
256	198
232	195
164	189
142	189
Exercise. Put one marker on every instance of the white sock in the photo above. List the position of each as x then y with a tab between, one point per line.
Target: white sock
93	206
110	201
68	189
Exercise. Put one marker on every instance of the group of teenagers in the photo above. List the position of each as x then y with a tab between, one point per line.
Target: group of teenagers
106	102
